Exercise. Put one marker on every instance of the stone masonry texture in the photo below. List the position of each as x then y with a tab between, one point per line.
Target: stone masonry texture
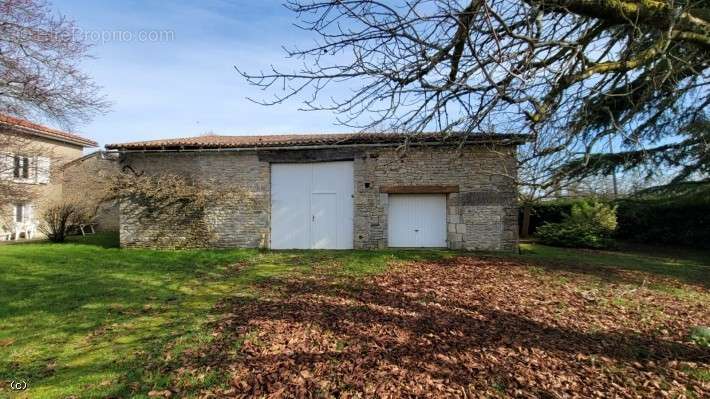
481	216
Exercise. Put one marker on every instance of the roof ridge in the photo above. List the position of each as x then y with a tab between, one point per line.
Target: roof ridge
293	140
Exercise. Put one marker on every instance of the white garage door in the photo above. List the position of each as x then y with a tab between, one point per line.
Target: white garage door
312	205
417	220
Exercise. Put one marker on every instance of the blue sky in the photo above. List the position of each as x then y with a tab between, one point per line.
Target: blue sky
187	86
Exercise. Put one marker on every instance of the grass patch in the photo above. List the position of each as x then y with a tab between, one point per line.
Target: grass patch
700	374
89	319
693	267
85	318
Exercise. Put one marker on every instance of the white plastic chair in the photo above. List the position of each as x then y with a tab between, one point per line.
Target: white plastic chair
28	228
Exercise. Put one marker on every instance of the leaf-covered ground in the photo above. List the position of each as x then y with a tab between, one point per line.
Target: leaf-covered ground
89	320
462	327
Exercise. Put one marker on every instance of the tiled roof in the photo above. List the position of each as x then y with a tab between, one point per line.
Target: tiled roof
296	140
28	127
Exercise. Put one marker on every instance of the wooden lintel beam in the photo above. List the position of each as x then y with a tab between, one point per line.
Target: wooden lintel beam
419	189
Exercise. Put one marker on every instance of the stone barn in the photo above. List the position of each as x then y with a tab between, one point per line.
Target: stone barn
332	191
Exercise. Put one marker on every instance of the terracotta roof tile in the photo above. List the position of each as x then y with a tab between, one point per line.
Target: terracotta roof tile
36	129
295	140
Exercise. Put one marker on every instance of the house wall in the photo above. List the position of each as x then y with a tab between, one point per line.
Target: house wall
481	216
86	181
38	195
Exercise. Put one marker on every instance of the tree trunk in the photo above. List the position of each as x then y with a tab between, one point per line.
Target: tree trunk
525	230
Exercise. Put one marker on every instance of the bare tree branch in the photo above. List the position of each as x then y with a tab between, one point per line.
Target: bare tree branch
39	57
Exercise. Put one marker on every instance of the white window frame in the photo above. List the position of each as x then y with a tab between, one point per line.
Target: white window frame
19	213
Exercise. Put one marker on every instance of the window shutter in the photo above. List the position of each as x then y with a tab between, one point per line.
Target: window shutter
25	168
28	213
43	170
16	170
6	166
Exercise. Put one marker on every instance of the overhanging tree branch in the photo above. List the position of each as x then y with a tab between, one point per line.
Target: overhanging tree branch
573	74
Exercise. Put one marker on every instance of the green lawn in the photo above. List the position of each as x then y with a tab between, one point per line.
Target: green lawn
88	319
677	265
81	318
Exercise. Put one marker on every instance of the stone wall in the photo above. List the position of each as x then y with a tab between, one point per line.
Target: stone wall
239	216
481	216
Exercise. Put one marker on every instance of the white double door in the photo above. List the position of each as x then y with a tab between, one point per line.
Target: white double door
417	220
312	205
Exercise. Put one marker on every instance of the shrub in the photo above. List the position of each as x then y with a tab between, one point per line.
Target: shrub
666	220
553	211
674	222
676	214
58	219
590	224
599	215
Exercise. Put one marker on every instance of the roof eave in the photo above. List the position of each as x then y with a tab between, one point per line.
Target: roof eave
182	147
78	141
